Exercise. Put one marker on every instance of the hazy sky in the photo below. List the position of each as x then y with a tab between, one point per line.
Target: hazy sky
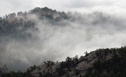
117	7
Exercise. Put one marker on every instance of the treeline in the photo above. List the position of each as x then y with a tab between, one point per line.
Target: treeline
114	67
40	12
19	73
12	15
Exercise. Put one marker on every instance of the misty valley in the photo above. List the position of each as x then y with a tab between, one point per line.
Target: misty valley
48	43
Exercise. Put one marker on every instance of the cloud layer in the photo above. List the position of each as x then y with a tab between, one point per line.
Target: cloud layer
83	32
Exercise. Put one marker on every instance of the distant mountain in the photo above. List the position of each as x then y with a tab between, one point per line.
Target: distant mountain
39	12
16	25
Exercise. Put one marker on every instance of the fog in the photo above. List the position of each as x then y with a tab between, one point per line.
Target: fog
56	41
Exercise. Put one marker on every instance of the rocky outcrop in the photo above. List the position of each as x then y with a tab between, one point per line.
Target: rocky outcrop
70	68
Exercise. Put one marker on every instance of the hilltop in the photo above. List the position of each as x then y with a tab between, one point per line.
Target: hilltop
98	63
16	25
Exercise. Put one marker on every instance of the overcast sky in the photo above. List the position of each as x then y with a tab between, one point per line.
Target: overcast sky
115	7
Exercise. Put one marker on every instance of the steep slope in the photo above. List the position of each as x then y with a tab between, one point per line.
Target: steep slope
102	62
98	63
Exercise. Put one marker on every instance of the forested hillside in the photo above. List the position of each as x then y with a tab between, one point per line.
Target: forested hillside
99	63
16	25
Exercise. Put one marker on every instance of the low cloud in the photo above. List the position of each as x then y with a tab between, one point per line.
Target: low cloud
83	32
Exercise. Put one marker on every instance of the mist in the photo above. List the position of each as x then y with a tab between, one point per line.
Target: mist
56	41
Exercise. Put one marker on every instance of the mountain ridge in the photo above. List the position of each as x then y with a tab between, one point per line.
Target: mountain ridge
96	63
